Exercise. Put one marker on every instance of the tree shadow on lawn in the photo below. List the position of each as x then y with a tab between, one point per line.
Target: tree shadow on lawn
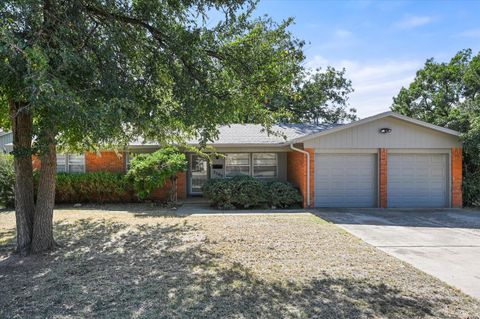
111	270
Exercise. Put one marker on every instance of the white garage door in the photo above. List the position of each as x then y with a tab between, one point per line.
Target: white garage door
345	180
417	180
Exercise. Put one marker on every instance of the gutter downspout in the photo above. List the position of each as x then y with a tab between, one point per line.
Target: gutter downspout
308	171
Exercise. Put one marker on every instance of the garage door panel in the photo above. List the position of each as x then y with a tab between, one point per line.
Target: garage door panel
345	180
417	180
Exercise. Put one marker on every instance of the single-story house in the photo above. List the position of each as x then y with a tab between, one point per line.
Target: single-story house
387	161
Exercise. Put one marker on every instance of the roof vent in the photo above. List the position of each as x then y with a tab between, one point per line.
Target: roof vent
385	130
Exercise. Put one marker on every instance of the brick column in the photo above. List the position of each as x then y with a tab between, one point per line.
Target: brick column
383	177
297	173
456	173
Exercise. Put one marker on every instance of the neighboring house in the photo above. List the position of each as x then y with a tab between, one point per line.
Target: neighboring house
387	160
6	140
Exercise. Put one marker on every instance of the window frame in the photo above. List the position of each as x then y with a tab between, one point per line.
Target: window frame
127	160
67	164
253	165
249	157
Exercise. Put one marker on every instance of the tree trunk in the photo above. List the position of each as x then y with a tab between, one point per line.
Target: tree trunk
43	223
173	189
24	198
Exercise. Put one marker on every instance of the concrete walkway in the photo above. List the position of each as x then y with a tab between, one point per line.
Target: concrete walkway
443	243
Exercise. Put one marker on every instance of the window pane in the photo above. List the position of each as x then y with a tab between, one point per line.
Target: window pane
231	171
265	171
242	159
265	165
76	163
61	163
128	158
237	164
75	168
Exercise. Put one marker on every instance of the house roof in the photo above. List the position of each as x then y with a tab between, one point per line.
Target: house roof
256	134
253	135
284	134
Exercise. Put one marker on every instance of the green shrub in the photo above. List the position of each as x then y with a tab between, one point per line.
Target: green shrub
249	192
7	181
219	192
151	171
471	189
99	187
283	195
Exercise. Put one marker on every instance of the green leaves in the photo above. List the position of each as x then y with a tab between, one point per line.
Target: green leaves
104	73
151	171
316	97
7	181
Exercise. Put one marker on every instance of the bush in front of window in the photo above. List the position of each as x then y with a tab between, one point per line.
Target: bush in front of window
249	192
283	195
219	192
94	187
7	181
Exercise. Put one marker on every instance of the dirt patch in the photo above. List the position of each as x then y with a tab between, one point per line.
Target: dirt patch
147	263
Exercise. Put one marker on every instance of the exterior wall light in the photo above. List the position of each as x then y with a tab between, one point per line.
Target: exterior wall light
385	130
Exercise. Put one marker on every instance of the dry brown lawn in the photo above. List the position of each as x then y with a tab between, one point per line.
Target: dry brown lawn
141	262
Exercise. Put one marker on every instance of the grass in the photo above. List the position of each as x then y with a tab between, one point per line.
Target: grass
140	262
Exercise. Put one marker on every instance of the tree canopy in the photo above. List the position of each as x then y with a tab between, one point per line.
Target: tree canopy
85	74
448	94
316	96
142	67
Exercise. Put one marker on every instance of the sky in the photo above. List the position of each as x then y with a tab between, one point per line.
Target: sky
381	44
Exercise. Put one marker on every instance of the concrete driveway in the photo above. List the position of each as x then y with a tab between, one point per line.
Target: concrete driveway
443	243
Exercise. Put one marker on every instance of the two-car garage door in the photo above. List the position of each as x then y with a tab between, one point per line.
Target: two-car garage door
351	180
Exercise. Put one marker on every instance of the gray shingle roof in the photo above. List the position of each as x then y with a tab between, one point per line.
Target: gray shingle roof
244	134
255	134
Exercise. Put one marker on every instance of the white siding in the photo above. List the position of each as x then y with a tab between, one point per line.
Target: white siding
403	135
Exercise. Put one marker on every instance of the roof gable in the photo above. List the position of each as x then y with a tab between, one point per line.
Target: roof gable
377	117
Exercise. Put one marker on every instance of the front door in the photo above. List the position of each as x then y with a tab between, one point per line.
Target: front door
198	173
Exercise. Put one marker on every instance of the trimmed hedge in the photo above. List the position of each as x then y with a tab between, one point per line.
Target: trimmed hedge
98	187
250	192
283	195
7	181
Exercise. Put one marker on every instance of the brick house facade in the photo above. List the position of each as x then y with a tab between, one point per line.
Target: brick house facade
385	161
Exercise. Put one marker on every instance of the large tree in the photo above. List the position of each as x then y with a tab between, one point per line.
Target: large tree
80	74
316	96
448	94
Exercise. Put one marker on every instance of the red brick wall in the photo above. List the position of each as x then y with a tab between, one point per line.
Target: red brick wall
383	176
36	162
104	162
297	173
457	177
162	194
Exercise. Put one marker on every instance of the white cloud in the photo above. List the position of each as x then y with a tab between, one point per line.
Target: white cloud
473	33
411	22
375	84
